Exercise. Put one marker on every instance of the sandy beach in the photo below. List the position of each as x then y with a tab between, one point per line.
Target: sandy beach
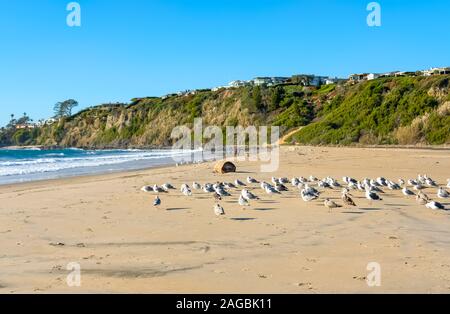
280	244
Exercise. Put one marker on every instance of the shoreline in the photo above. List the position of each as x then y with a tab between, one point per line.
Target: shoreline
169	166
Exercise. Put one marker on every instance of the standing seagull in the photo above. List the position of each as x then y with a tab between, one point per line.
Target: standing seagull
407	192
243	202
157	189
251	180
239	183
168	186
217	197
448	183
442	193
249	195
308	197
147	188
157	202
347	199
372	196
330	204
218	210
434	205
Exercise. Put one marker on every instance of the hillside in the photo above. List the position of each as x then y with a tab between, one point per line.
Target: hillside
402	110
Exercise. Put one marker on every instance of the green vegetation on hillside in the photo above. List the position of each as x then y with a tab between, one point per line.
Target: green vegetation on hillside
392	110
383	111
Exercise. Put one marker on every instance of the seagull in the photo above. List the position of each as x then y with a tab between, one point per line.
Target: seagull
312	178
412	182
208	188
222	192
303	180
158	189
147	188
424	196
430	182
187	191
243	202
311	190
330	204
323	184
227	185
347	199
217	197
281	188
401	181
157	201
184	187
434	205
284	180
393	186
418	187
407	192
295	182
168	186
333	182
448	183
264	184
348	180
271	190
248	195
252	180
218	210
308	197
382	181
372	196
275	181
239	183
196	186
443	193
374	188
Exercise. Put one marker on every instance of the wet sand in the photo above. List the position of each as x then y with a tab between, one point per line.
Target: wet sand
279	244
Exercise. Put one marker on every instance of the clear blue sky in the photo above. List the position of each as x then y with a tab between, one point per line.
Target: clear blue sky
135	48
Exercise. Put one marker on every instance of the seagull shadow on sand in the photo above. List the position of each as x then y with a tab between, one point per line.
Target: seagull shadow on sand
263	209
242	219
176	209
352	212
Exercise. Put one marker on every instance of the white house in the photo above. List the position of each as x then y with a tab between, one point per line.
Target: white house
372	76
435	71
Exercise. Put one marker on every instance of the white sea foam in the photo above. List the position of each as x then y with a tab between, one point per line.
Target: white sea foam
90	159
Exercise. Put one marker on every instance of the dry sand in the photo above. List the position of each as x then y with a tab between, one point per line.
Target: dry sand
280	244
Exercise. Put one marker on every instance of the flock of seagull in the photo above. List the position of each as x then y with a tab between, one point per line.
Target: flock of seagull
310	189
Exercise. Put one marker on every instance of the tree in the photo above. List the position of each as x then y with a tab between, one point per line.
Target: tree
257	98
275	98
24	119
64	108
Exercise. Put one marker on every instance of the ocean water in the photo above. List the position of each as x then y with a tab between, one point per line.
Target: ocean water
21	165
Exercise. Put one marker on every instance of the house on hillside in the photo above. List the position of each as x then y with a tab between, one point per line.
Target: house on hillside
269	81
354	78
373	76
238	83
25	126
310	80
330	80
436	71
